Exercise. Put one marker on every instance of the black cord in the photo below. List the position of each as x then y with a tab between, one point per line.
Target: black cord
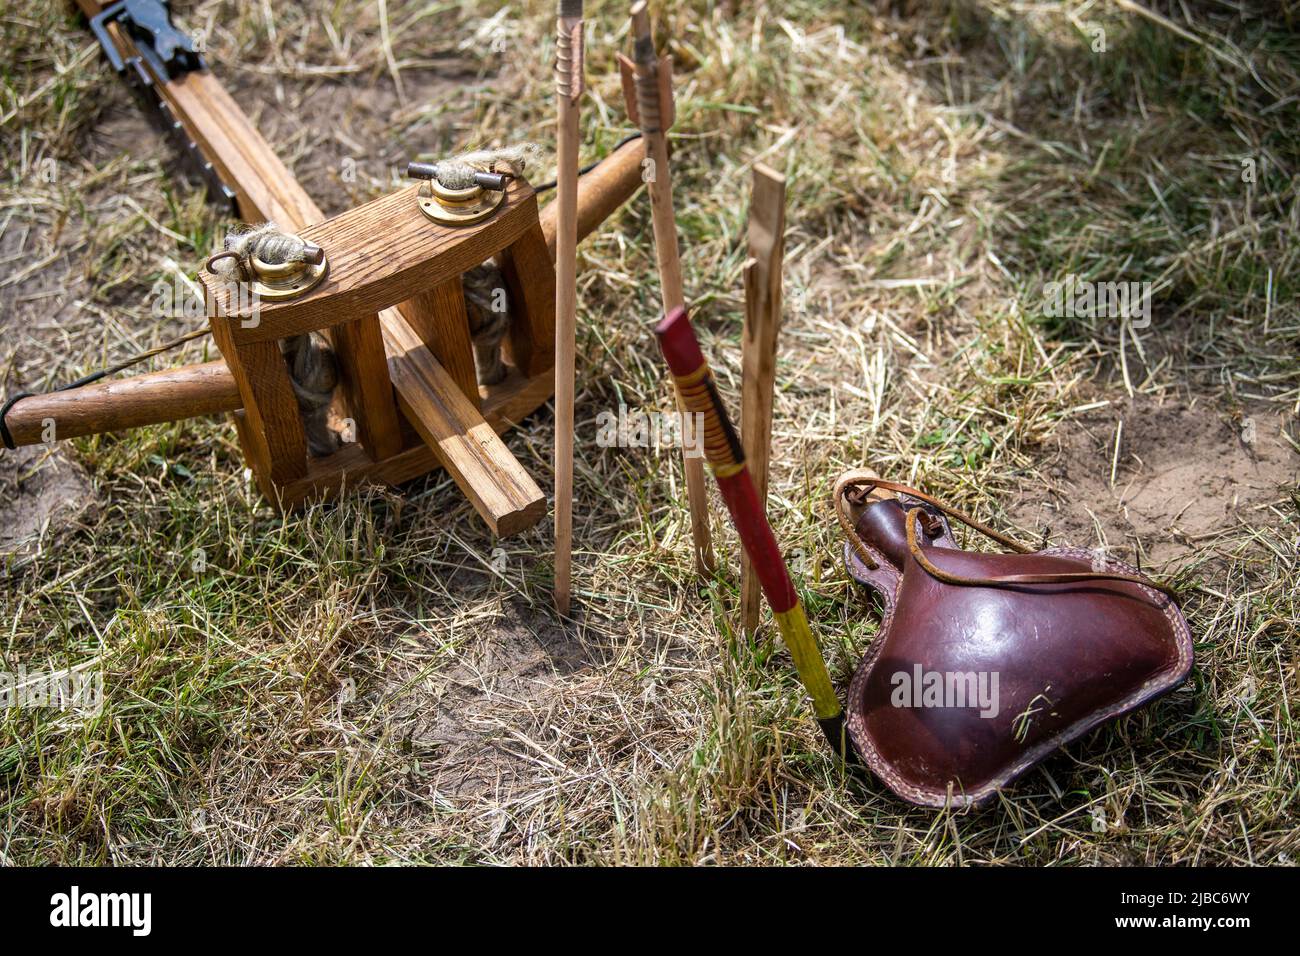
590	166
6	437
4	429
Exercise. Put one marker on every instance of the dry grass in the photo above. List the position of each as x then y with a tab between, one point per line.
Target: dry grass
379	681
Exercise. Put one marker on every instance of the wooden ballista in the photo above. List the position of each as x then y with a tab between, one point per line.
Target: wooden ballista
391	305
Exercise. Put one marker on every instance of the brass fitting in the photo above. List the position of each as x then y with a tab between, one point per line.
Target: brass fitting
458	207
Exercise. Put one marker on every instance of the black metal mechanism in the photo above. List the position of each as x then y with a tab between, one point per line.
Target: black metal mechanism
165	53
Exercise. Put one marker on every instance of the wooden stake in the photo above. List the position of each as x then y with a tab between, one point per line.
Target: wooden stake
568	88
655	114
758	357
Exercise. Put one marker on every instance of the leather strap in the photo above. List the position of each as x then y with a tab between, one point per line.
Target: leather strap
849	482
854	481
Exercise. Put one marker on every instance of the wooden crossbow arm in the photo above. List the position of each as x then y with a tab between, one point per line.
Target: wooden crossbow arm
600	192
115	404
209	389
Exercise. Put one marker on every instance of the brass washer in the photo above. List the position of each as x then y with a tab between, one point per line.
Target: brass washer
458	207
287	280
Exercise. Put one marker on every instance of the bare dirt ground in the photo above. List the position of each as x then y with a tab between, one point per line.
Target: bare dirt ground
1181	476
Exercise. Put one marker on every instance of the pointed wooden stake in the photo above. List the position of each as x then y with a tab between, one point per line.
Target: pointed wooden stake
758	356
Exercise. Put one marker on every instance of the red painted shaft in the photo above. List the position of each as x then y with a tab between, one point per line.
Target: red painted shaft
726	457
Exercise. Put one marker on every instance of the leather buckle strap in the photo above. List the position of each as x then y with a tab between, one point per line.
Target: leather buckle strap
852	488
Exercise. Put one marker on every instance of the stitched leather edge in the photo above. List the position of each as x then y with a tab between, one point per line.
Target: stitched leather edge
1158	684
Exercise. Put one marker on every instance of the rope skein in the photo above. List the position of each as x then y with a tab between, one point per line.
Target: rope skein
313	368
265	241
458	173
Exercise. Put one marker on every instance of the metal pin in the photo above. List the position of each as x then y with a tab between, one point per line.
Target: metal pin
494	181
422	170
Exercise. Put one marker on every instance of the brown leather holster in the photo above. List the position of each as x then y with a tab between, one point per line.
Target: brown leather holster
985	663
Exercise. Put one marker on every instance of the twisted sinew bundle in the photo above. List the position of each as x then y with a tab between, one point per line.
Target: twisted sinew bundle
699	396
568	88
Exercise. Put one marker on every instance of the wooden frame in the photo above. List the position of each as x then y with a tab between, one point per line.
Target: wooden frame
392	308
387	260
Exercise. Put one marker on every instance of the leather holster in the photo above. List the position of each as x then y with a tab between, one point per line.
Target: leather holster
968	685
